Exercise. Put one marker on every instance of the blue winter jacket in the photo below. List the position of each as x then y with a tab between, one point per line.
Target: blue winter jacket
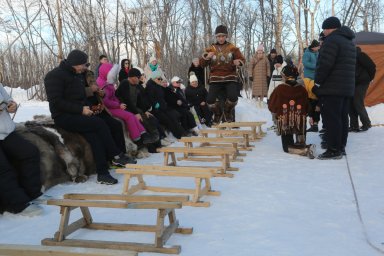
309	62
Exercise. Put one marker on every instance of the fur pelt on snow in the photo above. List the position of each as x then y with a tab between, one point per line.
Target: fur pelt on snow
64	156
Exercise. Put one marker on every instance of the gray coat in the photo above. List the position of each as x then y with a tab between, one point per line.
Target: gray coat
6	123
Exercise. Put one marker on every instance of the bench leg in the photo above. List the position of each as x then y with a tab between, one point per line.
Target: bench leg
196	195
65	212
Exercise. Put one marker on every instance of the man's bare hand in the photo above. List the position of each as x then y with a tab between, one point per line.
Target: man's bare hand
123	106
138	116
12	107
87	111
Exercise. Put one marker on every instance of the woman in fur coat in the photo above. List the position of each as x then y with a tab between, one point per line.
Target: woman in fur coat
259	73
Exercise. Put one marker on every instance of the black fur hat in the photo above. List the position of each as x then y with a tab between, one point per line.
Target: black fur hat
314	44
134	72
77	57
331	22
279	59
221	30
290	71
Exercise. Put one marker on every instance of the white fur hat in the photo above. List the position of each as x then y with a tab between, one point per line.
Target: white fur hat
152	58
193	78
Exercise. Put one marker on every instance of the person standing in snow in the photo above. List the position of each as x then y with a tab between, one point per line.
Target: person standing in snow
259	73
222	58
335	84
19	184
365	73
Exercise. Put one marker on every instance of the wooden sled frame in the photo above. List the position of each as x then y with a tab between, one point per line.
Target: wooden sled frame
257	132
38	250
164	205
216	142
222	153
199	174
220	133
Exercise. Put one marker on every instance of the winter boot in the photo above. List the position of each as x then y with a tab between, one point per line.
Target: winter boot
228	108
313	128
330	154
217	111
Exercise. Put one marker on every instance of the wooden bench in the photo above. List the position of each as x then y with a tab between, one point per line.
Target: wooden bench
38	250
216	142
199	174
257	132
164	205
229	133
223	155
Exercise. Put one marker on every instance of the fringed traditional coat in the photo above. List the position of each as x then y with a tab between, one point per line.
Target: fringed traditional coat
290	104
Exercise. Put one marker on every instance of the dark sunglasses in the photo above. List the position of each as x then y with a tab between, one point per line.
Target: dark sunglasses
126	63
178	82
159	78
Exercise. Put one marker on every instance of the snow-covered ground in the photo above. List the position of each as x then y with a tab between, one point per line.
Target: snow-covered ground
277	204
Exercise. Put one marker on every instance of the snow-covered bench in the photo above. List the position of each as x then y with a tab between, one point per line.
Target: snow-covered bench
164	205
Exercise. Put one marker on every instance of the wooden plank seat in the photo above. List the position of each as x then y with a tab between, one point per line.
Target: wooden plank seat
257	132
164	205
199	174
220	133
38	250
223	155
215	142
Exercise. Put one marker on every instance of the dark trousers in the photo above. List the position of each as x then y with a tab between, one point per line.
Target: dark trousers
20	180
96	132
170	119
186	118
286	141
116	129
315	115
334	111
357	108
229	88
204	112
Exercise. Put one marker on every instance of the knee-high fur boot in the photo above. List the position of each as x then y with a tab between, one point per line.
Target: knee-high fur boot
228	108
217	112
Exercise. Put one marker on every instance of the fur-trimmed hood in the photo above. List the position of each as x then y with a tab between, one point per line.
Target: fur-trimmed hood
107	74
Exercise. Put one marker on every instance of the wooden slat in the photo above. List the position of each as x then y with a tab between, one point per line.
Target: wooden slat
167	167
128	198
38	250
239	124
226	132
212	139
202	150
87	203
171	173
122	227
139	247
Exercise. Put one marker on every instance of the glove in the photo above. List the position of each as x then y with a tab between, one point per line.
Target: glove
315	89
251	78
157	105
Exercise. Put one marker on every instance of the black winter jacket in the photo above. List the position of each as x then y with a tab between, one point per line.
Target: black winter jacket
172	95
335	69
196	95
65	90
365	68
155	94
134	96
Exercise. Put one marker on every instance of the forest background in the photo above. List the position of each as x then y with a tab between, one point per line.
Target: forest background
36	35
